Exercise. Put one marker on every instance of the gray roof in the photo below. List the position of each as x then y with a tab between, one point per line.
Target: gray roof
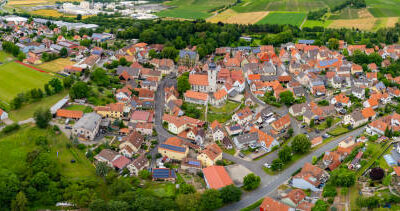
191	54
247	138
129	70
357	116
89	121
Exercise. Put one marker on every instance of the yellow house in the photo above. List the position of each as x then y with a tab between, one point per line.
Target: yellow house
348	142
174	149
115	110
210	155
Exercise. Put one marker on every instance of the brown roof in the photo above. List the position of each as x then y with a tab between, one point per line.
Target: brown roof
108	154
212	151
67	114
135	138
296	195
282	122
310	173
368	112
197	79
140	162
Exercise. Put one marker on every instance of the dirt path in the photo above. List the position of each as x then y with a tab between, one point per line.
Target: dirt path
304	21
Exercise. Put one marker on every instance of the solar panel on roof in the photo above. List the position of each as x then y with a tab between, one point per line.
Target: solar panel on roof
195	163
174	148
306	41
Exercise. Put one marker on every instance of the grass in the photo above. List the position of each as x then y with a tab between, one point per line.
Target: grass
192	9
229	107
346	13
253	206
313	23
339	130
384	8
27	111
378	150
291	18
15	147
221	118
323	125
163	189
85	109
5	57
56	65
16	78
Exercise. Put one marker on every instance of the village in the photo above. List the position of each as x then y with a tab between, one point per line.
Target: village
303	119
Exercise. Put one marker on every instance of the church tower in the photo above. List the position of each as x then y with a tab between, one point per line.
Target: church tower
212	77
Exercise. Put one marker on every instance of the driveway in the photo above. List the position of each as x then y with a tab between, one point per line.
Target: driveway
270	183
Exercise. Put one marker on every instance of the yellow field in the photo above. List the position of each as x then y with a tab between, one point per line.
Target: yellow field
230	16
54	13
29	2
360	23
56	65
391	22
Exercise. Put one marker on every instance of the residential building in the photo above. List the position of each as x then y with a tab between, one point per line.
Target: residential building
131	144
114	110
310	177
217	131
210	155
64	113
173	148
270	204
87	127
138	164
243	116
3	115
163	174
216	177
107	156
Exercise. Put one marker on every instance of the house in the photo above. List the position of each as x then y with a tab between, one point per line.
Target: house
139	116
294	197
355	162
138	164
64	113
255	138
114	110
234	129
216	177
270	204
358	92
210	155
188	58
107	156
310	177
196	97
298	109
163	174
219	97
121	162
342	100
173	148
191	165
348	142
354	119
3	115
282	123
144	128
131	144
377	127
316	141
242	116
217	131
87	127
368	113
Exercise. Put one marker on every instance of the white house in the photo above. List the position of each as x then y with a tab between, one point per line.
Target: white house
3	115
310	177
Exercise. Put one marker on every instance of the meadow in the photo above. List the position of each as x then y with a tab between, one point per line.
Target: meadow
291	18
15	147
5	57
192	9
16	78
56	65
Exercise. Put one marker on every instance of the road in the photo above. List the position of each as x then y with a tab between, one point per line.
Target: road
270	183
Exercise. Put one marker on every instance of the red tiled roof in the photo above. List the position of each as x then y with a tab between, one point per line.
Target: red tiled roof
197	79
66	113
270	204
196	95
121	162
217	177
220	94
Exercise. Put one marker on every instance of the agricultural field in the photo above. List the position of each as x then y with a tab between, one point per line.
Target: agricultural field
56	65
5	57
313	23
347	13
16	78
287	5
384	8
192	9
230	16
291	18
54	13
15	147
33	2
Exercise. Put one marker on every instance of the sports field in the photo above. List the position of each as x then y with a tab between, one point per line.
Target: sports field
291	18
56	65
16	78
192	9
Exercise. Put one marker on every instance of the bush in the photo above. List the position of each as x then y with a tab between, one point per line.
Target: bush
251	182
329	191
376	173
10	128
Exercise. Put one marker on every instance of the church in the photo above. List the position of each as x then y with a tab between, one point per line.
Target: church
200	82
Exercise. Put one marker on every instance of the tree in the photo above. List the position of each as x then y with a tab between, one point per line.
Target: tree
40	181
290	132
251	181
277	164
56	84
329	121
183	83
186	189
312	123
100	77
230	194
79	90
21	57
101	169
210	200
9	187
20	202
188	202
320	205
333	43
287	98
285	154
301	144
342	177
63	52
377	173
79	17
42	117
144	174
68	81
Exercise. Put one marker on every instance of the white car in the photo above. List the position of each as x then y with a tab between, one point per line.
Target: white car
267	165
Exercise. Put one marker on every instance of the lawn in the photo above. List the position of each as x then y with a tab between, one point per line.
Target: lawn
339	130
56	65
163	189
229	107
192	9
5	57
14	149
291	18
16	78
323	125
27	111
222	118
85	109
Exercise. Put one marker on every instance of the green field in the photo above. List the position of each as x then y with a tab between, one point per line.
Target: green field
5	57
14	149
192	9
16	78
384	8
347	13
312	23
291	18
286	5
85	109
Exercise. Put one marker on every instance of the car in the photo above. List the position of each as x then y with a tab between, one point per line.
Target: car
68	127
241	155
305	132
326	135
317	131
303	126
267	165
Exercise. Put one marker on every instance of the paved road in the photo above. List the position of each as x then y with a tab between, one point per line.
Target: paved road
270	183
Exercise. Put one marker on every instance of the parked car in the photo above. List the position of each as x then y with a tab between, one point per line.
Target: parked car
241	155
326	135
267	165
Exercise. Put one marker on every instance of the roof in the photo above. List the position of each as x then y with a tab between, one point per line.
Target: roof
397	170
141	115
108	154
89	121
174	144
296	195
270	204
217	177
197	79
65	113
140	162
316	140
310	173
196	95
368	112
121	162
163	173
243	113
212	151
135	138
280	123
220	94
